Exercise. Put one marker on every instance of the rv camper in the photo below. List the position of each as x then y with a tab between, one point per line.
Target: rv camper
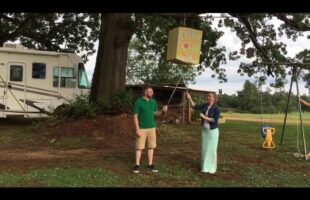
34	83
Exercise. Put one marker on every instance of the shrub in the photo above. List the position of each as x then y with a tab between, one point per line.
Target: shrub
79	106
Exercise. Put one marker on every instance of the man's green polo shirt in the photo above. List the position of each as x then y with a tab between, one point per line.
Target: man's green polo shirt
145	110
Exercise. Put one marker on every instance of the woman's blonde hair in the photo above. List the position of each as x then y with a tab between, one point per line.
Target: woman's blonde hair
215	96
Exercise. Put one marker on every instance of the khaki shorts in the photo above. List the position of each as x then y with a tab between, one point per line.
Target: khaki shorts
149	135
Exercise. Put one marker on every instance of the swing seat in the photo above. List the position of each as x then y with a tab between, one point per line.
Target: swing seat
263	134
269	145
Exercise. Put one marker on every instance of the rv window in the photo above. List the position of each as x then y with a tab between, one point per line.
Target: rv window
55	76
16	73
38	70
67	77
83	80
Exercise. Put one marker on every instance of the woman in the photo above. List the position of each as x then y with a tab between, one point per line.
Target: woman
210	113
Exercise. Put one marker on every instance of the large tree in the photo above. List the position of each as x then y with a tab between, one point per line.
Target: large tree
110	70
148	51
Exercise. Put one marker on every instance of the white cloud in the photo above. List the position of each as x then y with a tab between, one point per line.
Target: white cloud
230	41
90	65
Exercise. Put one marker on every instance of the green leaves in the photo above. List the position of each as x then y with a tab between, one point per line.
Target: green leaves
148	48
66	32
261	40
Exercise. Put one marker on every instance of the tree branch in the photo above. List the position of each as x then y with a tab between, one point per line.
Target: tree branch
253	36
3	16
180	15
41	39
292	23
18	31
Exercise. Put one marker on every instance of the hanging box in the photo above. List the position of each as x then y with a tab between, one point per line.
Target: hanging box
184	45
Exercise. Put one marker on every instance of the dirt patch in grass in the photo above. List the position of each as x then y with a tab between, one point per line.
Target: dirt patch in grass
105	136
105	131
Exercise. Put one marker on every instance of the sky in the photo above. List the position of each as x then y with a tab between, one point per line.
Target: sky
235	81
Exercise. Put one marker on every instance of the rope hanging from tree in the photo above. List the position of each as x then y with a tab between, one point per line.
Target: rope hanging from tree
301	123
266	130
263	126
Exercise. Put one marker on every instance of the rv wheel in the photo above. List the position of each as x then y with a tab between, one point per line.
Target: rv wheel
62	110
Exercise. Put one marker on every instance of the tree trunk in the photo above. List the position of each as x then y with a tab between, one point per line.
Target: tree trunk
110	70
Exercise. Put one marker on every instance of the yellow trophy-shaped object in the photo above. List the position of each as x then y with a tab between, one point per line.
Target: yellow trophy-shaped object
268	143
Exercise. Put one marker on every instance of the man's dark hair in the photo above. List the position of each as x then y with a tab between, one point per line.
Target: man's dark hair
145	87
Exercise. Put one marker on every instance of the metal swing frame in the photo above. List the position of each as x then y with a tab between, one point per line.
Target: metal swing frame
294	78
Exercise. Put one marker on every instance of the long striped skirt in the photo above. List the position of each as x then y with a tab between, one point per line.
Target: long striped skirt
209	143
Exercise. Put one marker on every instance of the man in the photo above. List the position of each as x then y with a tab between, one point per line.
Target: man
306	103
145	110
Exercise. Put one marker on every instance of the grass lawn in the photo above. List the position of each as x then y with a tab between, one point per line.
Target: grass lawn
242	161
292	117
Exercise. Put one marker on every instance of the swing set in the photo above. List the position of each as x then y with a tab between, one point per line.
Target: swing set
264	129
296	67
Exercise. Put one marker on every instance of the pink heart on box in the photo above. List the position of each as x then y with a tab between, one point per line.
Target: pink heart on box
186	45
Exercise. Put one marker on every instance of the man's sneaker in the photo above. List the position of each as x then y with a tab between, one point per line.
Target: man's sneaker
152	168
136	169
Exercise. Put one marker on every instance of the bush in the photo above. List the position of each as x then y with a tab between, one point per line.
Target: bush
78	107
62	111
121	102
81	106
75	108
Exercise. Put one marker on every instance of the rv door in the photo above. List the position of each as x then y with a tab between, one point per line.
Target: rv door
2	88
15	90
